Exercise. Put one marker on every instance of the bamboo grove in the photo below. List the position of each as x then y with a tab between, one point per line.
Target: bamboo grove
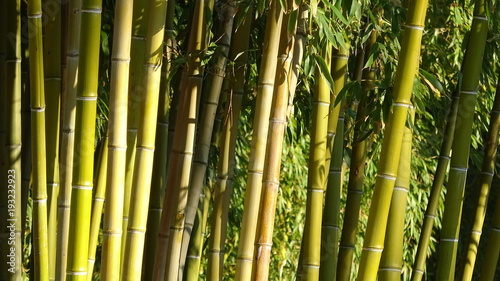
249	140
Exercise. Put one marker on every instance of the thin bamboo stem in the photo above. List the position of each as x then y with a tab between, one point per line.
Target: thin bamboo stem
97	205
68	135
52	71
391	145
473	58
492	247
265	90
483	189
440	174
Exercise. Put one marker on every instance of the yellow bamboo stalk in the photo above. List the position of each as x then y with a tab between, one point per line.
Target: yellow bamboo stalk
265	90
68	135
391	145
52	71
391	264
141	185
117	131
83	161
272	164
39	183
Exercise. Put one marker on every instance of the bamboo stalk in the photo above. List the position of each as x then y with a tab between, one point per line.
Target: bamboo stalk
391	145
117	131
3	140
83	161
98	204
52	71
181	159
135	97
162	146
201	155
195	249
439	176
68	135
483	189
391	264
331	215
492	247
39	184
265	90
356	174
272	164
134	245
316	179
11	172
461	144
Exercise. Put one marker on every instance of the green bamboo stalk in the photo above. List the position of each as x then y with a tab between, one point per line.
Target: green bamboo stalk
52	70
265	90
486	179
184	139
83	161
162	145
439	176
143	167
97	205
195	249
356	175
331	215
117	130
135	97
200	161
11	175
272	164
39	183
461	144
492	247
68	135
391	264
391	145
311	243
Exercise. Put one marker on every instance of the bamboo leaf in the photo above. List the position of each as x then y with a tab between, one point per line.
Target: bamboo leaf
323	68
325	27
432	81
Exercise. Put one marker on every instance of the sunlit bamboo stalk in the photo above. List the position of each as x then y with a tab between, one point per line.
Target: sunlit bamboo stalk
162	146
265	90
274	150
68	135
473	59
97	204
117	132
483	190
39	175
83	160
143	167
52	71
492	247
391	264
391	144
3	140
